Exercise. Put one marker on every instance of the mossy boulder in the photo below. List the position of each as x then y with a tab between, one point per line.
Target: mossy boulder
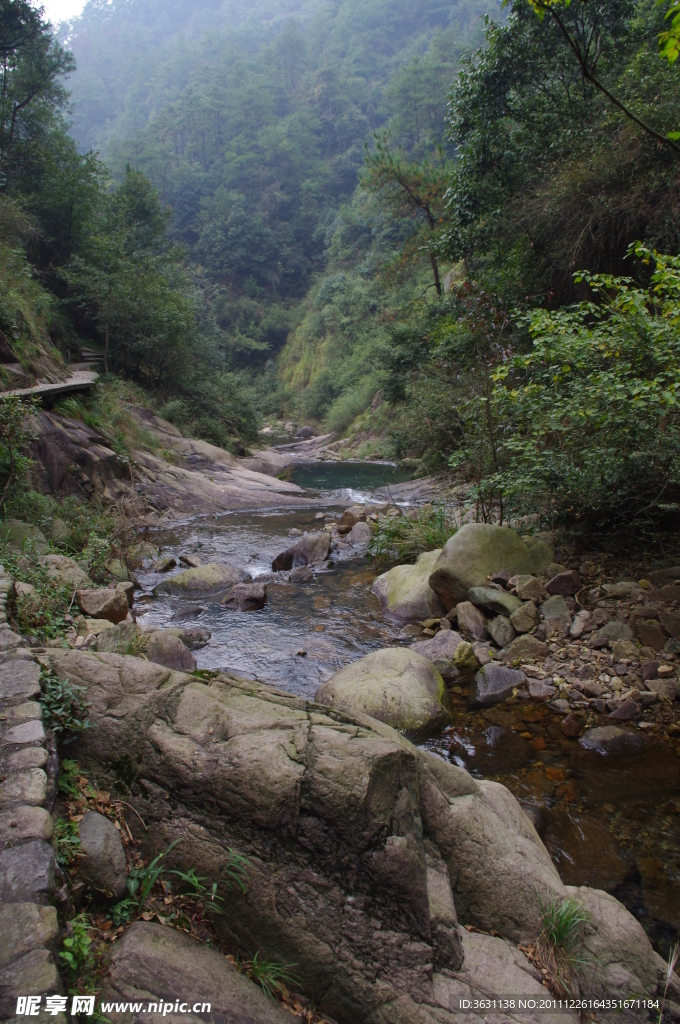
475	552
204	579
405	592
19	536
397	686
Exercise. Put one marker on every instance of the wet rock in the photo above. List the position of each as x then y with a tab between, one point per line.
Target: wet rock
501	630
585	852
102	866
540	690
472	622
525	618
618	764
65	570
350	517
191	561
528	588
205	579
151	958
571	726
360	537
497	602
565	584
493	683
247	597
21	537
610	633
650	634
556	614
164	564
394	685
193	637
103	604
442	651
302	575
476	551
627	711
405	593
522	648
311	549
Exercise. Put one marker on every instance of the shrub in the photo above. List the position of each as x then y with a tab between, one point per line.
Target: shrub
65	709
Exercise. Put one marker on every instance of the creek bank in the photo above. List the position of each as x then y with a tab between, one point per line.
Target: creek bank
364	852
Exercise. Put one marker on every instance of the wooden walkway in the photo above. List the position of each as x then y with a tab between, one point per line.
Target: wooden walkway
81	380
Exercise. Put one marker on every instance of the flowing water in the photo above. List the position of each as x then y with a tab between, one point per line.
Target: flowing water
609	824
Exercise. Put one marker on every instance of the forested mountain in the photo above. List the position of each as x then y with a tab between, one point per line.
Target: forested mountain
252	122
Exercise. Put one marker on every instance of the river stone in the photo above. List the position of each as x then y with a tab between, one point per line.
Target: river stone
472	622
627	711
405	592
394	685
20	537
311	549
528	588
540	690
565	584
524	648
193	637
556	613
650	634
151	958
525	618
441	650
498	602
610	633
65	570
670	620
93	627
141	552
103	604
210	578
19	678
359	537
34	973
117	568
163	647
247	597
475	552
501	630
336	815
102	866
494	682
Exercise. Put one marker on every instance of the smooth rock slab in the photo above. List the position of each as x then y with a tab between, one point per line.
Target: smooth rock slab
19	678
103	866
23	927
26	872
394	685
151	958
493	683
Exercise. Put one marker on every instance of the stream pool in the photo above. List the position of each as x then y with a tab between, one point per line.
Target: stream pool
610	829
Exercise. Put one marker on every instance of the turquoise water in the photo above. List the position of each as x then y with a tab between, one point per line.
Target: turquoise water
347	476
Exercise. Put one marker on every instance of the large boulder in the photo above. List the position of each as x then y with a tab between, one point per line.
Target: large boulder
405	592
204	579
20	537
476	551
102	865
247	597
311	549
152	959
103	604
349	833
65	570
395	685
161	646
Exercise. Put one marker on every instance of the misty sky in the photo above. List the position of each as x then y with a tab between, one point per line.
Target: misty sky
60	10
